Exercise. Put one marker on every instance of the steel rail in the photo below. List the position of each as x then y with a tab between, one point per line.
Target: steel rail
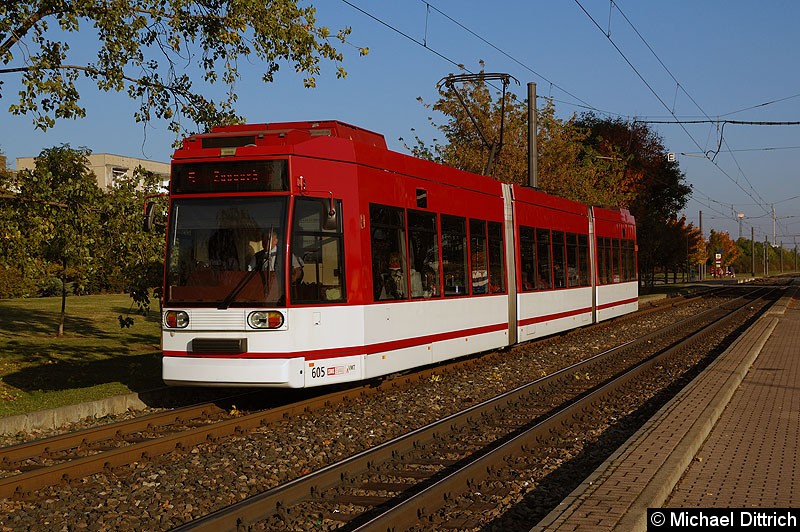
25	483
412	510
21	484
277	500
9	456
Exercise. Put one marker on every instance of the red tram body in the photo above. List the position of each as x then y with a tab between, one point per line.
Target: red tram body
307	253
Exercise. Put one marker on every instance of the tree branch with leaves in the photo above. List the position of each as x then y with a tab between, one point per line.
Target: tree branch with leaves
154	50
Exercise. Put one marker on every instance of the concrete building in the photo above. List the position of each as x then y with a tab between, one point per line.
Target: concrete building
108	167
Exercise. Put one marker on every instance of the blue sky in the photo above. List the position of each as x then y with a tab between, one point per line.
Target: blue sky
719	57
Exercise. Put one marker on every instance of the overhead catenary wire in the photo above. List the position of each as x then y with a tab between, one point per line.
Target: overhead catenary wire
738	181
672	111
424	44
771	102
761	202
509	56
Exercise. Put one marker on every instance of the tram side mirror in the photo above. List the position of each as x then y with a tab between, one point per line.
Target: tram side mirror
330	221
148	223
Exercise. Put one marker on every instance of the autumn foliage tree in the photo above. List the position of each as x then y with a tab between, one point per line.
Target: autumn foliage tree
465	147
657	186
585	158
681	247
569	166
720	242
156	51
572	166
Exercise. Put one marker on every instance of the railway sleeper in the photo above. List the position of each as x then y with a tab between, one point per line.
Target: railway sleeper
423	461
459	523
394	487
404	473
336	515
367	501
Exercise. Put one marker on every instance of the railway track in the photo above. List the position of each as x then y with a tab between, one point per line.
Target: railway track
67	459
28	466
406	483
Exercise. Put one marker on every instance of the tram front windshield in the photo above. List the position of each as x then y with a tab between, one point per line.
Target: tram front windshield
221	252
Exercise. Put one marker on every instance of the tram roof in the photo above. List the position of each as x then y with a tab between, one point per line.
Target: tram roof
292	137
282	133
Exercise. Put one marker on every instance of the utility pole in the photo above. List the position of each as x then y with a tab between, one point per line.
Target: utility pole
702	265
753	248
773	225
533	149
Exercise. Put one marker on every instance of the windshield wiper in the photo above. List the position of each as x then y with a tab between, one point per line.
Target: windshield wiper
236	289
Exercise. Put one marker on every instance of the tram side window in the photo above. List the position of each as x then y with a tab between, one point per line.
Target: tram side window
630	260
478	256
627	266
497	268
423	249
624	268
544	280
583	261
603	262
559	260
321	254
572	260
527	258
389	264
617	254
454	255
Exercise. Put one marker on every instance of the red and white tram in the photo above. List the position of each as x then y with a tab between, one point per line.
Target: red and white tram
307	253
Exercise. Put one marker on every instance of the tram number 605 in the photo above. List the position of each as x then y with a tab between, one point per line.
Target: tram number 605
317	372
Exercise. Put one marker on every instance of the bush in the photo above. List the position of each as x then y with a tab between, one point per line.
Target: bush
52	286
14	284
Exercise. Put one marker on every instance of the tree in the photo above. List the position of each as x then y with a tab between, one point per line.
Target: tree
572	165
697	246
658	187
15	279
568	166
720	242
465	148
61	221
9	220
680	247
132	258
588	159
150	48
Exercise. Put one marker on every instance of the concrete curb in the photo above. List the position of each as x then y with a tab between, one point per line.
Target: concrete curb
659	487
56	417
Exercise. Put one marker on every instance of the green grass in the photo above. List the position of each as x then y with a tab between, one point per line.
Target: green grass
94	359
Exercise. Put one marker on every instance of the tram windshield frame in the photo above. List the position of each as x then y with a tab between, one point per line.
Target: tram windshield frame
216	255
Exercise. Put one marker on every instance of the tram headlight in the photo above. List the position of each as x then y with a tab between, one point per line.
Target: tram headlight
176	319
265	319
